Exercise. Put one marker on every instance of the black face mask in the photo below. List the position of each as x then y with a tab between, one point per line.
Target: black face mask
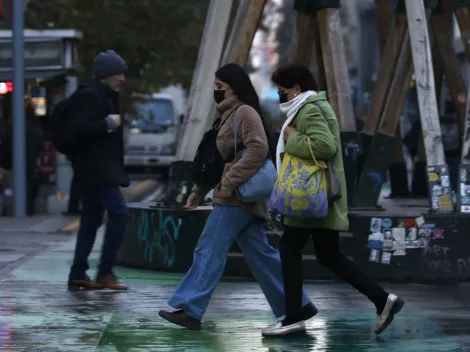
282	97
219	95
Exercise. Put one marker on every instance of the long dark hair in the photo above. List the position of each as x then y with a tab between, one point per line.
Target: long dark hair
236	77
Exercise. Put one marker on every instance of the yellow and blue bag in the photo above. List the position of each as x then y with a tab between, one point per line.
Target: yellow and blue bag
301	188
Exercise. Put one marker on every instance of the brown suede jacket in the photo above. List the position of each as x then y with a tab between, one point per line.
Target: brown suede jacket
252	138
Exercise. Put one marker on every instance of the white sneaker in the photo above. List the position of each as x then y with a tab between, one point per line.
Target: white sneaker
393	306
279	330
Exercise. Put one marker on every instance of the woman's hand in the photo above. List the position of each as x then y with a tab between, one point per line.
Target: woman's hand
288	131
193	200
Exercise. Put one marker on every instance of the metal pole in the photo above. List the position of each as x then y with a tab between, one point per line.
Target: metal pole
19	123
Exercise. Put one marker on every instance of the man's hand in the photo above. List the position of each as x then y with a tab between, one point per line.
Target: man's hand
116	119
288	131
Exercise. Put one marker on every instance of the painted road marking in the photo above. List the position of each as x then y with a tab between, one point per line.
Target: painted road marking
155	196
127	192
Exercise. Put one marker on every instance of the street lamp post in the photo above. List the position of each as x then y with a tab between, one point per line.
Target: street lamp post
19	123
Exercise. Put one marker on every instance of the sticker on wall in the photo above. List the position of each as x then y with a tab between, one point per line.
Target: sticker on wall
445	181
411	237
438	234
375	240
375	224
406	223
420	221
386	258
423	242
374	255
465	209
398	233
386	223
399	243
423	232
424	235
387	245
400	252
388	241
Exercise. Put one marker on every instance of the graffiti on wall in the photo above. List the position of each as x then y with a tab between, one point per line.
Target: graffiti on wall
158	233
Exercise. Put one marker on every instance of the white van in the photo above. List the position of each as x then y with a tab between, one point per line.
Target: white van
153	125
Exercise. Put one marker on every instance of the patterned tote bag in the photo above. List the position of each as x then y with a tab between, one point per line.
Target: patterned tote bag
301	188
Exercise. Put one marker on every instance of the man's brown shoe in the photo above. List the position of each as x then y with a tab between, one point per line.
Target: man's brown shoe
85	284
109	281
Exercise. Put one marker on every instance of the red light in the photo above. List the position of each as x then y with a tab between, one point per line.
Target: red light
6	87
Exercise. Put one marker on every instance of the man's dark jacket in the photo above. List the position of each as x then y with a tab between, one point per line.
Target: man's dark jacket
98	159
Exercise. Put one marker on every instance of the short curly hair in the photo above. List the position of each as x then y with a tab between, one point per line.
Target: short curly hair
292	74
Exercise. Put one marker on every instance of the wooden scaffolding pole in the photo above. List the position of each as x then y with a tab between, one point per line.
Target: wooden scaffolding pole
243	31
387	102
336	69
398	169
306	32
414	55
242	34
383	23
462	11
446	63
387	69
318	34
441	26
200	101
339	90
440	192
382	145
390	51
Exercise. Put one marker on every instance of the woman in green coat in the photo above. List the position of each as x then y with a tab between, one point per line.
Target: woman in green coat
310	115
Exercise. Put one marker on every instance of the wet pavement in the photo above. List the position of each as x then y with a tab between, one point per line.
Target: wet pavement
38	314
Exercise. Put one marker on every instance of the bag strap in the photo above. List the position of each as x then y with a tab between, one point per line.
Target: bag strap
309	143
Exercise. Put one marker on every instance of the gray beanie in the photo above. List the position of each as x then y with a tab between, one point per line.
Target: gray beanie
108	64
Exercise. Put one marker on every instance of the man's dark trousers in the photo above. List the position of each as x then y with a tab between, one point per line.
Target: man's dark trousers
95	201
74	200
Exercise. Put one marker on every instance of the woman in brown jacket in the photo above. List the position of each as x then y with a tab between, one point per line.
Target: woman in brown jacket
230	219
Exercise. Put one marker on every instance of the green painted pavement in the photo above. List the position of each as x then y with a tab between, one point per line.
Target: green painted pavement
37	313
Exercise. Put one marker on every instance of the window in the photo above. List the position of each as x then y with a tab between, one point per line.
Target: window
152	114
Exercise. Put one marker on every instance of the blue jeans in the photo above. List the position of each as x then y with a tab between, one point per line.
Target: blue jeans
224	225
95	200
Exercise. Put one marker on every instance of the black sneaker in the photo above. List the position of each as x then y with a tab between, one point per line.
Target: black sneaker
308	312
180	318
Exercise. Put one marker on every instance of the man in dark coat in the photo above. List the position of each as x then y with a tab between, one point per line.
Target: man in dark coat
99	170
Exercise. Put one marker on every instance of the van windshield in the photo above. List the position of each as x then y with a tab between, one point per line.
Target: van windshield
151	114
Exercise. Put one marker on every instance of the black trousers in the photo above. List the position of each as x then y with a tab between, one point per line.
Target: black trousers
326	244
97	200
74	196
32	190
